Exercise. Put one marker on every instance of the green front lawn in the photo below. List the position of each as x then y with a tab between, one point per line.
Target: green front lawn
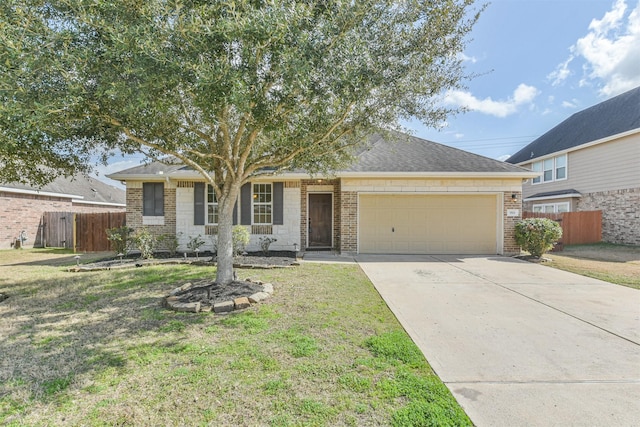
97	349
617	264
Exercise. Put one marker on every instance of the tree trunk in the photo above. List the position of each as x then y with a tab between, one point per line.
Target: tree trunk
224	274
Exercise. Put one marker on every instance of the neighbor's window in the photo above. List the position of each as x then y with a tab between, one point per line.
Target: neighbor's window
553	169
262	204
212	206
552	207
153	199
561	167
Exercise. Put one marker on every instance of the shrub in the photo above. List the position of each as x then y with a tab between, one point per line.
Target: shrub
195	243
265	242
120	238
240	239
170	242
537	235
146	243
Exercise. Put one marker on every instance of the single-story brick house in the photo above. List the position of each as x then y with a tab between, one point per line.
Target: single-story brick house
409	196
22	206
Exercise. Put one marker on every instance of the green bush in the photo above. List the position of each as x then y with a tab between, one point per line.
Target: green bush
146	242
240	239
537	235
195	243
120	238
170	242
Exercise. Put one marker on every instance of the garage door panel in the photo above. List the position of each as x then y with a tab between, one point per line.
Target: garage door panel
436	224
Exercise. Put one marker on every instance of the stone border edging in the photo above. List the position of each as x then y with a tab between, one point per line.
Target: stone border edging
172	302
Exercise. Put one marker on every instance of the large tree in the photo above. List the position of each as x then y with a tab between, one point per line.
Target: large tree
233	89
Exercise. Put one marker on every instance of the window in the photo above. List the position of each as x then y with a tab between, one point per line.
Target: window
537	167
561	167
153	199
553	169
262	204
212	206
552	208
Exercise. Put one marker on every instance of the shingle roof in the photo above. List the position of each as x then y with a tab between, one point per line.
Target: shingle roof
412	154
568	192
614	116
399	153
90	189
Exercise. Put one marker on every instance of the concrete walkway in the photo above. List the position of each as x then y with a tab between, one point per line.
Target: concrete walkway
519	344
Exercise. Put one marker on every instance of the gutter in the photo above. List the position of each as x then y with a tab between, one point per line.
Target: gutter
41	193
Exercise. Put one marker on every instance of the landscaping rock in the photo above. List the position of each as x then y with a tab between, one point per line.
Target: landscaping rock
188	307
241	303
223	307
268	288
258	296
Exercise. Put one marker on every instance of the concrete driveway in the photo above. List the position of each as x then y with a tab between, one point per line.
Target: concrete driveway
519	344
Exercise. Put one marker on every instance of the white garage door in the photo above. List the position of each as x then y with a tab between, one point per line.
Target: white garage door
427	224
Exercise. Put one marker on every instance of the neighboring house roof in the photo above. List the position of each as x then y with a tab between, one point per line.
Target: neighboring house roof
615	116
404	155
560	194
79	188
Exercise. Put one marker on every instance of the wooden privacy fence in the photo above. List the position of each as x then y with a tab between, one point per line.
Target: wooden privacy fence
577	227
84	232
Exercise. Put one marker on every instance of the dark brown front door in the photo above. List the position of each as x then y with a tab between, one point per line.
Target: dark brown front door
319	221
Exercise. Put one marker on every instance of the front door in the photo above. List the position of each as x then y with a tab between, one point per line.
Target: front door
320	221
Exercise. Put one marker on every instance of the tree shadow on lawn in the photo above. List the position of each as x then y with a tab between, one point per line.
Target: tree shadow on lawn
71	328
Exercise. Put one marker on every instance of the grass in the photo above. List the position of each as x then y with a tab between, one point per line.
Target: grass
97	349
617	264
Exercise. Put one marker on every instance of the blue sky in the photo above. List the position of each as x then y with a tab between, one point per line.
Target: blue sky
538	62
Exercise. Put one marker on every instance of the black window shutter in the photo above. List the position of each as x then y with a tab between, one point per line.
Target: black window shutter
147	199
278	214
159	199
198	203
245	204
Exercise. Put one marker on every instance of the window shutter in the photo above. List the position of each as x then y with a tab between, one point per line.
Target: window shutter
198	203
245	204
147	199
278	211
159	199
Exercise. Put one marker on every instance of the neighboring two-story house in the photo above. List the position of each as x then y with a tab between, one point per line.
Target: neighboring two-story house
590	161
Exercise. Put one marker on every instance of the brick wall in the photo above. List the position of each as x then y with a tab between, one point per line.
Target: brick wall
156	225
620	214
510	247
349	225
24	212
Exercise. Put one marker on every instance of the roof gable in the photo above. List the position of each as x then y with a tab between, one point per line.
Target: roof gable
612	117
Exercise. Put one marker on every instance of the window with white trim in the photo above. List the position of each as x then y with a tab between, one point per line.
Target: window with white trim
553	169
262	204
552	208
212	206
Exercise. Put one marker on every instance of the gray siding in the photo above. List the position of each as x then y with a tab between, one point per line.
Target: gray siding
613	165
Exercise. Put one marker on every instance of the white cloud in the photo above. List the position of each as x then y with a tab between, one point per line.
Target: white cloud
610	51
503	157
466	58
522	95
570	104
